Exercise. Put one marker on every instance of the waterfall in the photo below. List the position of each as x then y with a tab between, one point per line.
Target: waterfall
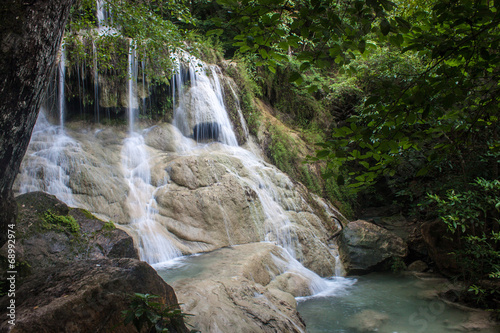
53	155
201	102
96	83
132	86
104	18
275	210
153	239
102	14
62	72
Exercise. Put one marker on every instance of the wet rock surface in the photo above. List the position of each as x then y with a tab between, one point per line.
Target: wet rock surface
85	296
364	245
49	232
205	197
245	288
75	273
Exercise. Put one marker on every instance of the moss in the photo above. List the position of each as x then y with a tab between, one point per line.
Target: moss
247	91
52	221
108	226
88	214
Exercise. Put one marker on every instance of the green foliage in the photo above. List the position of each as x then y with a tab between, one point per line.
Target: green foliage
146	27
52	221
474	217
397	265
282	152
240	73
155	316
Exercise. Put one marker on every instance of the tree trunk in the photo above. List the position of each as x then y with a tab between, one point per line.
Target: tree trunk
30	36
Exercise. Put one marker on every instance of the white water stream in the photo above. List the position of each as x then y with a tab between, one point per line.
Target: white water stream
53	154
62	74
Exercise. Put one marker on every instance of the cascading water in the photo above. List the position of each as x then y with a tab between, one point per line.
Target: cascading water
53	154
96	82
203	105
153	240
62	73
201	102
132	86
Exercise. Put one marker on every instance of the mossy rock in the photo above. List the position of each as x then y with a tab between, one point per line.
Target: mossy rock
48	232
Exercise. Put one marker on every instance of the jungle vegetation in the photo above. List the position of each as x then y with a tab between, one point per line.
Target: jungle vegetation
401	97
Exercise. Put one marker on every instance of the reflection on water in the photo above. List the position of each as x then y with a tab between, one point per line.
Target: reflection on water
382	303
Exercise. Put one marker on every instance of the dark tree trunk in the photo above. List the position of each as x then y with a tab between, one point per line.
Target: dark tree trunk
30	36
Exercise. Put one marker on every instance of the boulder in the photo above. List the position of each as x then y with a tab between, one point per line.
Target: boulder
85	296
245	288
49	232
164	137
363	246
418	266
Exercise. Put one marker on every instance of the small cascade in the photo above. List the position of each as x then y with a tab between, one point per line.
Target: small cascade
53	154
62	73
96	83
102	14
104	18
132	86
199	109
154	241
238	108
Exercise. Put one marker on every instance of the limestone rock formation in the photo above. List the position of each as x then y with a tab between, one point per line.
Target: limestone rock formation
364	245
206	197
243	289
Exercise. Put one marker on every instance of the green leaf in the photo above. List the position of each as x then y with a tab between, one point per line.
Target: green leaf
263	53
295	77
362	46
385	27
217	32
372	100
305	66
404	25
422	172
284	45
312	89
322	153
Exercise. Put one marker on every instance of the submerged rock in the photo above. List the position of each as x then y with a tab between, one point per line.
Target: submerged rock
418	266
364	245
368	321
